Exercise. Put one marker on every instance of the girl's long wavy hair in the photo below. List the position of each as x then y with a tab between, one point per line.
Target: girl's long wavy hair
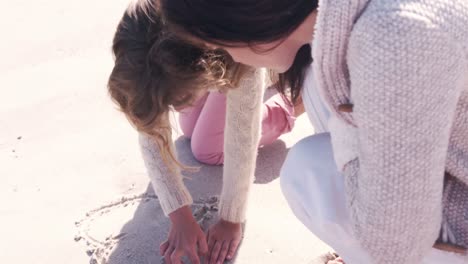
238	23
156	71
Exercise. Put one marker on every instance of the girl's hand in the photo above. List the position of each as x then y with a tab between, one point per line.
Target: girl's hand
223	240
185	238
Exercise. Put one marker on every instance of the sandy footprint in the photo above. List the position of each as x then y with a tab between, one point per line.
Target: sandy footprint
130	229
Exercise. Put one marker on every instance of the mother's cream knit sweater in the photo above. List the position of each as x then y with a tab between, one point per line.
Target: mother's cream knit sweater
242	133
403	64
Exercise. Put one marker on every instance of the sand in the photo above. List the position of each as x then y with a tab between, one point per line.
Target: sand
73	185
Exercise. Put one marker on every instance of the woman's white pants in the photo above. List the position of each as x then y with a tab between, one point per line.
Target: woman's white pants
314	190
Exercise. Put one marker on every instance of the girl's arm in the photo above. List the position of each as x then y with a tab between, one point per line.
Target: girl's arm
168	186
241	138
242	134
406	77
185	235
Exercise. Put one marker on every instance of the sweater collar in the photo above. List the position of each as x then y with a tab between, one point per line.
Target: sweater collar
335	20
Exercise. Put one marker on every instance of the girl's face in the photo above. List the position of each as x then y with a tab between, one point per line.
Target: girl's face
278	55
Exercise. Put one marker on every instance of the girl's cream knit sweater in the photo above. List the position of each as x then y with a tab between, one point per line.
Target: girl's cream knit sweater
242	133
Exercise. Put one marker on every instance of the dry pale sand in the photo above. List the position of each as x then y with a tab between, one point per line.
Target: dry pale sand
73	186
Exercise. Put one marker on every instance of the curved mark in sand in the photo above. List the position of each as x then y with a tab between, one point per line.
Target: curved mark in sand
99	249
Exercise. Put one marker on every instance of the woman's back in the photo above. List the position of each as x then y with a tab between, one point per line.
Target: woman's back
449	19
405	70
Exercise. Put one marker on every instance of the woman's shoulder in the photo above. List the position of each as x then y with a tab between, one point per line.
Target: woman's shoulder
384	22
423	7
448	15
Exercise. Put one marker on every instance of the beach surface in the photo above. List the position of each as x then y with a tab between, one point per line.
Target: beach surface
73	185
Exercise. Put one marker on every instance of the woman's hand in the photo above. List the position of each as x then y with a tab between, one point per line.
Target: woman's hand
336	261
185	238
223	240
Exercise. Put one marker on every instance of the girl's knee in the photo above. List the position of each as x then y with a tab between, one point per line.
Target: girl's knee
206	153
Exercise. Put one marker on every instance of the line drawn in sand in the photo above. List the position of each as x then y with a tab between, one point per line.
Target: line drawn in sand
100	248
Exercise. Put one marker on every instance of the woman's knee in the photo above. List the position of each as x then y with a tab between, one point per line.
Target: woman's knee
302	159
290	175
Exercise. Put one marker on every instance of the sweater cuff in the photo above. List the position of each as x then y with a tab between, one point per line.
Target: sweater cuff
172	198
232	211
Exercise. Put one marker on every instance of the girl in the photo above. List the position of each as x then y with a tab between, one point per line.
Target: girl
393	178
155	72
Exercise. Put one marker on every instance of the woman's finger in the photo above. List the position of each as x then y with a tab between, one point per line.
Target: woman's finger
223	252
163	247
339	260
233	246
336	261
215	252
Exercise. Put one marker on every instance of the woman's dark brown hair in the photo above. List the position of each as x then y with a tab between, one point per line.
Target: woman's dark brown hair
237	23
155	71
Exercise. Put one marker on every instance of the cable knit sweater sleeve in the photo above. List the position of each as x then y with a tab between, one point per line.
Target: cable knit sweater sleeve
406	75
241	135
168	185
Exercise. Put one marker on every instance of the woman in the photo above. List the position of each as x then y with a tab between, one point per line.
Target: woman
154	73
393	180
